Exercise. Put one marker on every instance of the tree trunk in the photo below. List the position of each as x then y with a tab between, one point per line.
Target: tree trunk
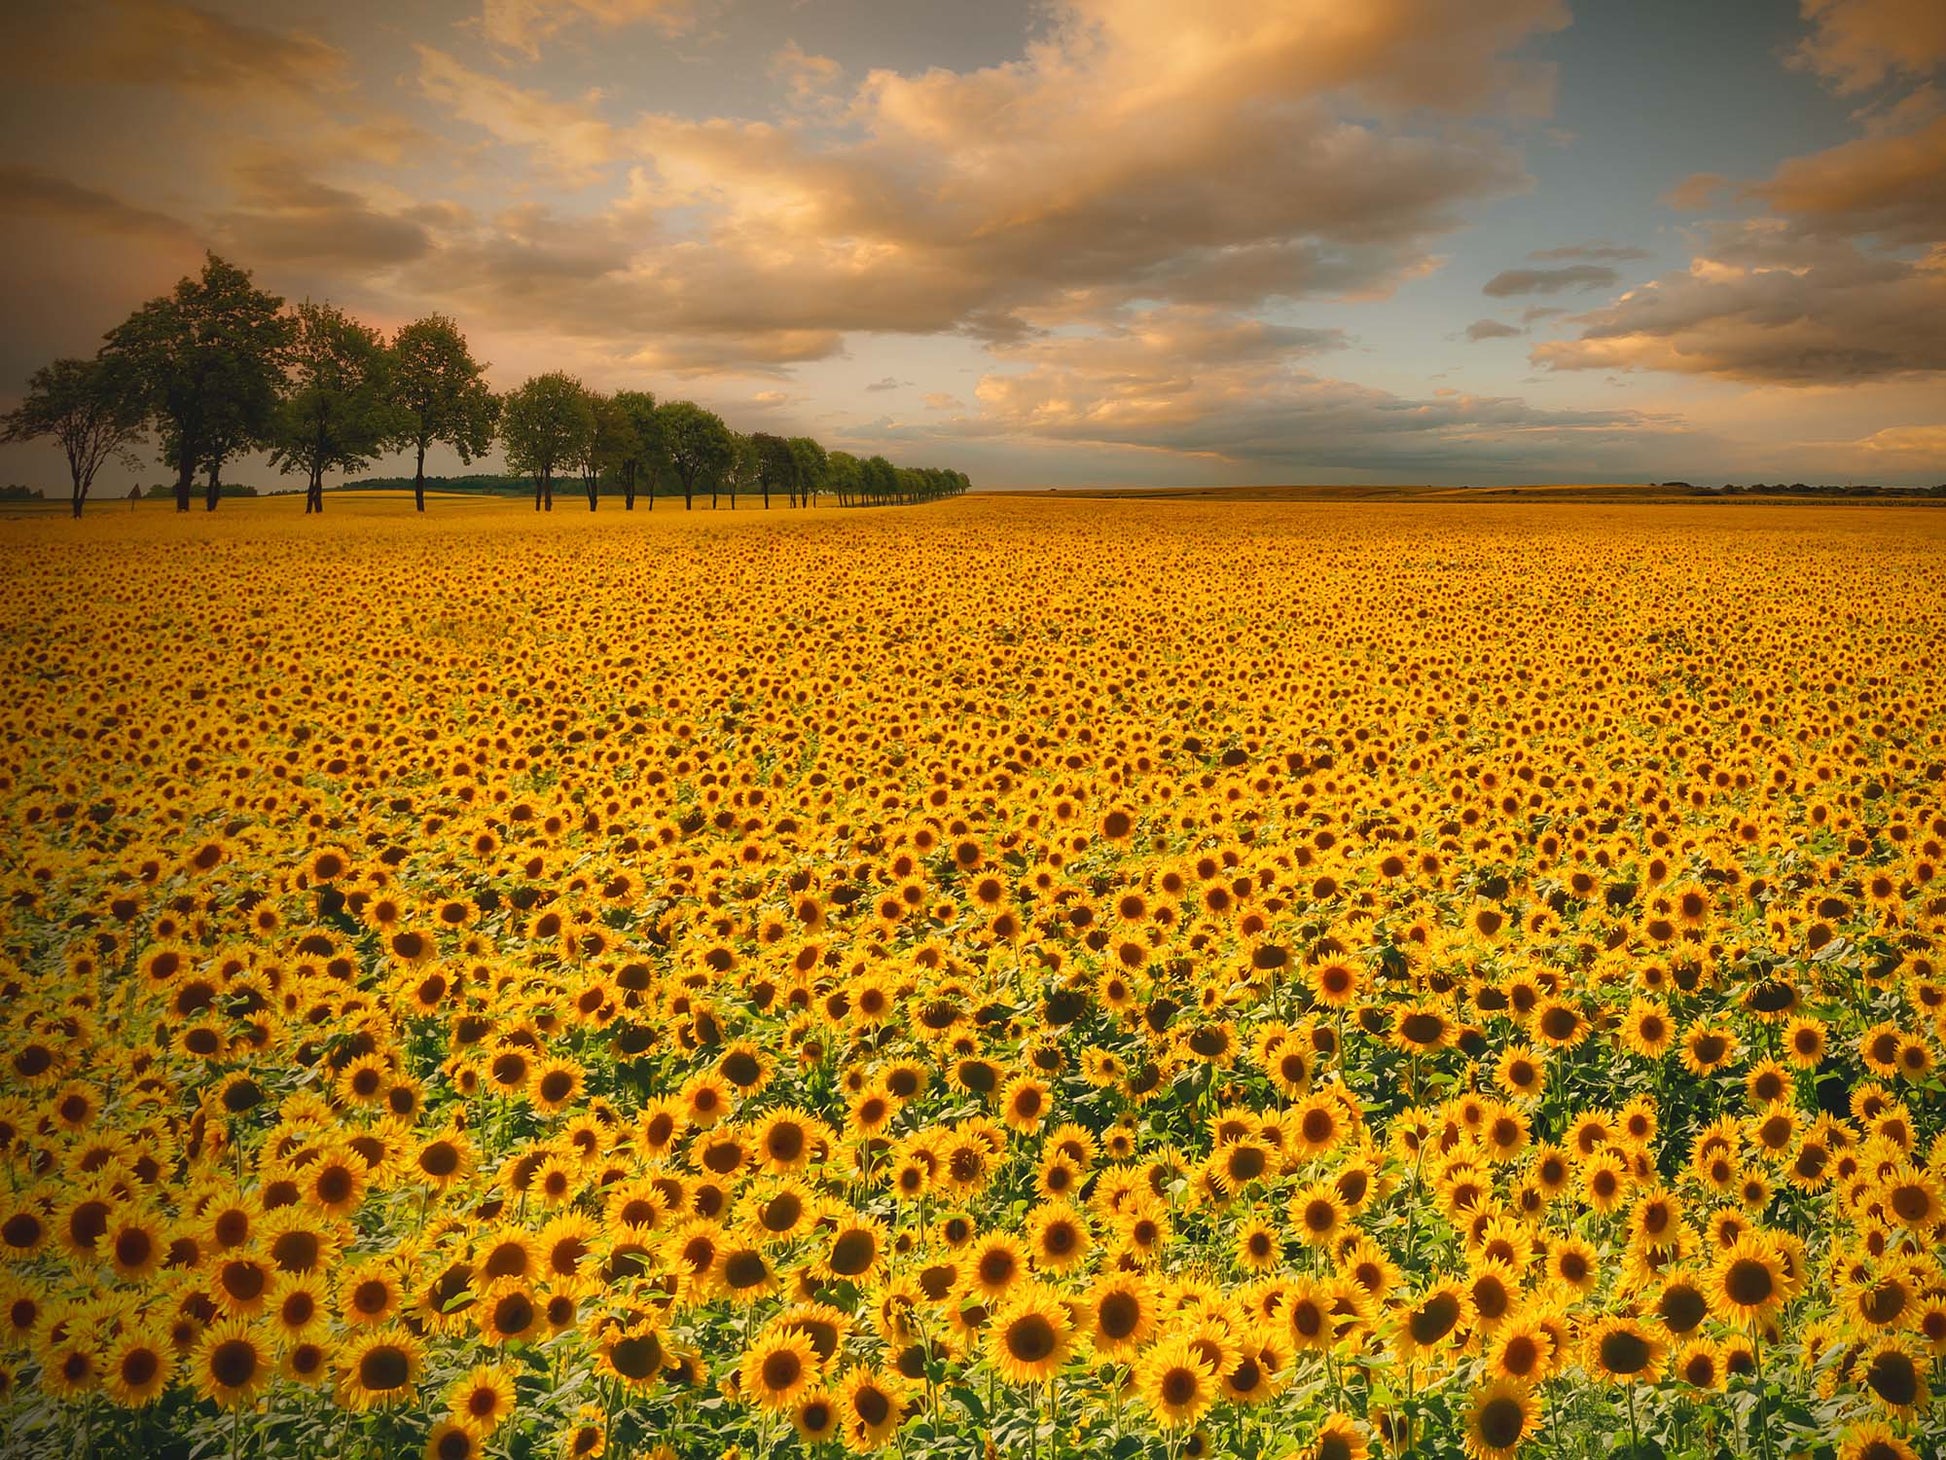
80	496
419	480
185	475
593	484
766	490
547	491
213	491
688	494
314	495
628	488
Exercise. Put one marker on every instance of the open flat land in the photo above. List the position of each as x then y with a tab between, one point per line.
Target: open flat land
1124	976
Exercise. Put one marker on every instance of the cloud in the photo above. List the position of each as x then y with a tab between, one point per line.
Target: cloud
1199	383
942	400
182	47
1491	329
888	383
289	217
1764	304
567	134
1511	282
1909	446
1599	249
522	25
1856	44
1891	185
1697	192
1141	150
810	78
32	191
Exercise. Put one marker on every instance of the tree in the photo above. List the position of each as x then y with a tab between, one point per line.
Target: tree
775	466
845	474
206	361
642	455
696	442
609	445
880	479
811	465
742	472
547	424
89	407
441	393
338	412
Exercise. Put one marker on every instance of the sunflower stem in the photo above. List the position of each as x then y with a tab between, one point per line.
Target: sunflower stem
1763	1402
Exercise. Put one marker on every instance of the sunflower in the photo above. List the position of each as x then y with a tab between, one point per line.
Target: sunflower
1894	1375
1120	1313
1030	1336
1874	1440
1176	1383
778	1367
1912	1197
480	1400
1707	1048
450	1440
1746	1282
1024	1104
1318	1214
1259	1246
635	1355
587	1437
1057	1237
137	1368
871	1408
855	1251
815	1416
1647	1030
1804	1042
1521	1350
380	1369
1699	1364
1434	1320
507	1312
1498	1417
232	1364
1622	1350
1338	1438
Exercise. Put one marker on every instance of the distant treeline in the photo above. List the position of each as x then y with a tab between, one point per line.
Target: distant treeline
1801	489
219	368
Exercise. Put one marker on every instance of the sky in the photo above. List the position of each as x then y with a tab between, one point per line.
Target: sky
1051	242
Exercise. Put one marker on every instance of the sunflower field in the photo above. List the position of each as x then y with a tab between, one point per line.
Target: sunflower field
999	978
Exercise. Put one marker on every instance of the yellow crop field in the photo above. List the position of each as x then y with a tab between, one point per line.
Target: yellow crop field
1003	977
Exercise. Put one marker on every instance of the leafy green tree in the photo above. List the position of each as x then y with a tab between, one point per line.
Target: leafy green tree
845	474
338	412
610	444
697	443
548	424
89	407
442	395
642	457
880	479
811	464
775	466
742	473
206	361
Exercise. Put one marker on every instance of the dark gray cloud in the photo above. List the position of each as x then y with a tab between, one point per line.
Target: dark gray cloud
1510	283
1491	329
1599	249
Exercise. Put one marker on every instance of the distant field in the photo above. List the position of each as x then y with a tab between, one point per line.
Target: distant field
1556	492
1029	976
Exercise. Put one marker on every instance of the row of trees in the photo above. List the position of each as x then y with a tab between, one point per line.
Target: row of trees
218	368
